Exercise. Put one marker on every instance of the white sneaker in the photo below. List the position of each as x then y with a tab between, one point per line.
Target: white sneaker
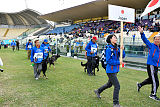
154	97
117	105
36	78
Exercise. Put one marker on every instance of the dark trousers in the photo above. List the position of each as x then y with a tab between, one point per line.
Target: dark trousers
90	64
152	78
113	80
44	67
17	48
13	47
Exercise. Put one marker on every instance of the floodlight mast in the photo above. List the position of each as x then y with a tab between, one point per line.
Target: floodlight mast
26	4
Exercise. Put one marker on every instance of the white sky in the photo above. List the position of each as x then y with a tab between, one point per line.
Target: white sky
42	6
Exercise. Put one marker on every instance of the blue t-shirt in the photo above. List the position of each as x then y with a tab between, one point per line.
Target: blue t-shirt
37	55
46	48
77	43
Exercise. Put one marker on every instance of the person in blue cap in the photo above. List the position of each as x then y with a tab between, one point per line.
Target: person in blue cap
29	47
13	44
37	56
46	47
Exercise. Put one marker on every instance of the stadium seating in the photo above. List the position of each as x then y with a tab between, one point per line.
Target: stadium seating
2	31
21	24
24	18
59	30
35	15
29	19
16	19
3	19
11	33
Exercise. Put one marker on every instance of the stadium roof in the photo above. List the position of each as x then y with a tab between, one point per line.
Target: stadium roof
97	8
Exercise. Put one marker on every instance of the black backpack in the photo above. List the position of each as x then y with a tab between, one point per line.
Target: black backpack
103	57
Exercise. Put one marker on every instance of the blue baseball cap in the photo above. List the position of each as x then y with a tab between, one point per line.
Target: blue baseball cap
45	40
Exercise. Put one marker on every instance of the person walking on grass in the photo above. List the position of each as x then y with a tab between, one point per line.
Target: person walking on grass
13	45
17	45
91	49
153	62
46	47
112	68
37	56
29	46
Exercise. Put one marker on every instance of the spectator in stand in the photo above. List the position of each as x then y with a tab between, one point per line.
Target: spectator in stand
77	45
134	35
81	45
49	38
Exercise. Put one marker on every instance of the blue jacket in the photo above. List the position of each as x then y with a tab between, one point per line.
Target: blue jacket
81	43
37	53
77	43
29	46
13	43
153	55
46	48
112	59
91	47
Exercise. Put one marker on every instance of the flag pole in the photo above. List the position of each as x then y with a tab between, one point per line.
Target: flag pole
121	43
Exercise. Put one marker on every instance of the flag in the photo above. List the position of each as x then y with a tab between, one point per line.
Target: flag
119	13
152	5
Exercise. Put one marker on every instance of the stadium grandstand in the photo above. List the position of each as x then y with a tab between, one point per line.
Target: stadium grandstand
91	19
21	24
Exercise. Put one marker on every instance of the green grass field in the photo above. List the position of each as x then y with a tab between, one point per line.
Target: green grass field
67	86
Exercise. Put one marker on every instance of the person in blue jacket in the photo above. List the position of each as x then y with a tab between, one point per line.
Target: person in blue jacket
13	44
37	56
77	45
46	47
153	62
29	47
81	46
112	68
91	49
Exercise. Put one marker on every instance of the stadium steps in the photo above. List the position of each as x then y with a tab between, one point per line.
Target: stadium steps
29	20
2	31
136	64
9	19
35	19
41	31
16	20
6	33
36	15
23	20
